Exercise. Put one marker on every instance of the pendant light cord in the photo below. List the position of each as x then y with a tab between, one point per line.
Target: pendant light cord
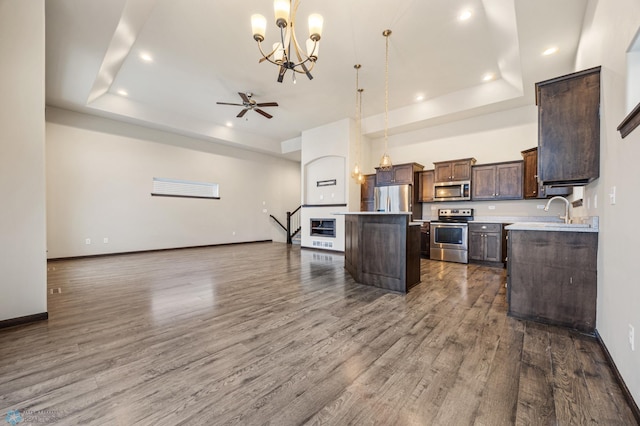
386	92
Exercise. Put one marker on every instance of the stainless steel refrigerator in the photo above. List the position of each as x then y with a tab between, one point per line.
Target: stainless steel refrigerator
393	198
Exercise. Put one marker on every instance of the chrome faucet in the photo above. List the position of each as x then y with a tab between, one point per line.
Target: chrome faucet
566	207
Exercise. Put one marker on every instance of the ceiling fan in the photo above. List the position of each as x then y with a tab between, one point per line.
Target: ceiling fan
251	104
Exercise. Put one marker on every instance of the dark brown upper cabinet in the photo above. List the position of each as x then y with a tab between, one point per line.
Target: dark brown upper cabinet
499	181
532	186
426	188
569	129
455	170
367	199
398	174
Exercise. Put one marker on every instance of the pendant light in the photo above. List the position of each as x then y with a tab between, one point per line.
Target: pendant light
385	161
357	172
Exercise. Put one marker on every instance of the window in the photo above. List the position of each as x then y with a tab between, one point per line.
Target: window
184	188
632	120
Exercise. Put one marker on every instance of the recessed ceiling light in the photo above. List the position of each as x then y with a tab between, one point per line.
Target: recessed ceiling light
419	97
489	76
229	124
122	92
550	51
146	57
464	15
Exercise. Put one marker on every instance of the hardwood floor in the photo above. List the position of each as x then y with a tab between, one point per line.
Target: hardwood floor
269	334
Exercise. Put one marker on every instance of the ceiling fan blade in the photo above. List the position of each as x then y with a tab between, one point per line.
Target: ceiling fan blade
267	104
243	112
227	103
266	114
244	97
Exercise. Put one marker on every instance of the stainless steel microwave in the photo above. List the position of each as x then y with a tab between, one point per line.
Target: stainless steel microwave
452	191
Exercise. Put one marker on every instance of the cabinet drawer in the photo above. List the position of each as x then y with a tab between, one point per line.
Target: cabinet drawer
485	227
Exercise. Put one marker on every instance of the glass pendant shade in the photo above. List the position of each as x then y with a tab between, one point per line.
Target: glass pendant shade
385	162
356	171
259	26
281	10
315	26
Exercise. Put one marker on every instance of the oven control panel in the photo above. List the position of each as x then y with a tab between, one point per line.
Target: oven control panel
455	212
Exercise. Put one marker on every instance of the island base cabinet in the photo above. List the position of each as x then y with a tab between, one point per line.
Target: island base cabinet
552	278
383	251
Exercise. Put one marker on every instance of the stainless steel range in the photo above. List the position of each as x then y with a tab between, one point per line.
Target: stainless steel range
450	235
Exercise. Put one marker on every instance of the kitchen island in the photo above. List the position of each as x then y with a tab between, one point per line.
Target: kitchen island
383	249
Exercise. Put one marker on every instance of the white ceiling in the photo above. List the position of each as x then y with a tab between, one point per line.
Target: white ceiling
203	52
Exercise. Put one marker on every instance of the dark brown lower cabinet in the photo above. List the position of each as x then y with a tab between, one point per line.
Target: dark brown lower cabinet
485	242
552	278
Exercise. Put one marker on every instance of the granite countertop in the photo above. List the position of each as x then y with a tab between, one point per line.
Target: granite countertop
538	223
551	226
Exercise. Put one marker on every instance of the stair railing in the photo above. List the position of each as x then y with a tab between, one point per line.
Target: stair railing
293	224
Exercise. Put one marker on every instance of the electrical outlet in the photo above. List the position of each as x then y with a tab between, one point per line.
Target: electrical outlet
632	338
87	241
612	195
105	240
540	206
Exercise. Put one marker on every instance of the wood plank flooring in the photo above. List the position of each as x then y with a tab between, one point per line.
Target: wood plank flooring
269	334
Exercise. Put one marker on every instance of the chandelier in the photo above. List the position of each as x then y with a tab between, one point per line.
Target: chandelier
286	53
385	161
357	172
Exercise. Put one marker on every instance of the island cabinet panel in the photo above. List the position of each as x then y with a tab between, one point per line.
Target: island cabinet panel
552	277
383	250
454	170
569	128
367	199
501	181
351	245
425	186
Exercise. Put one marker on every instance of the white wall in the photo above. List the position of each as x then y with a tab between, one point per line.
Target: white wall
330	147
489	138
23	285
99	179
608	31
